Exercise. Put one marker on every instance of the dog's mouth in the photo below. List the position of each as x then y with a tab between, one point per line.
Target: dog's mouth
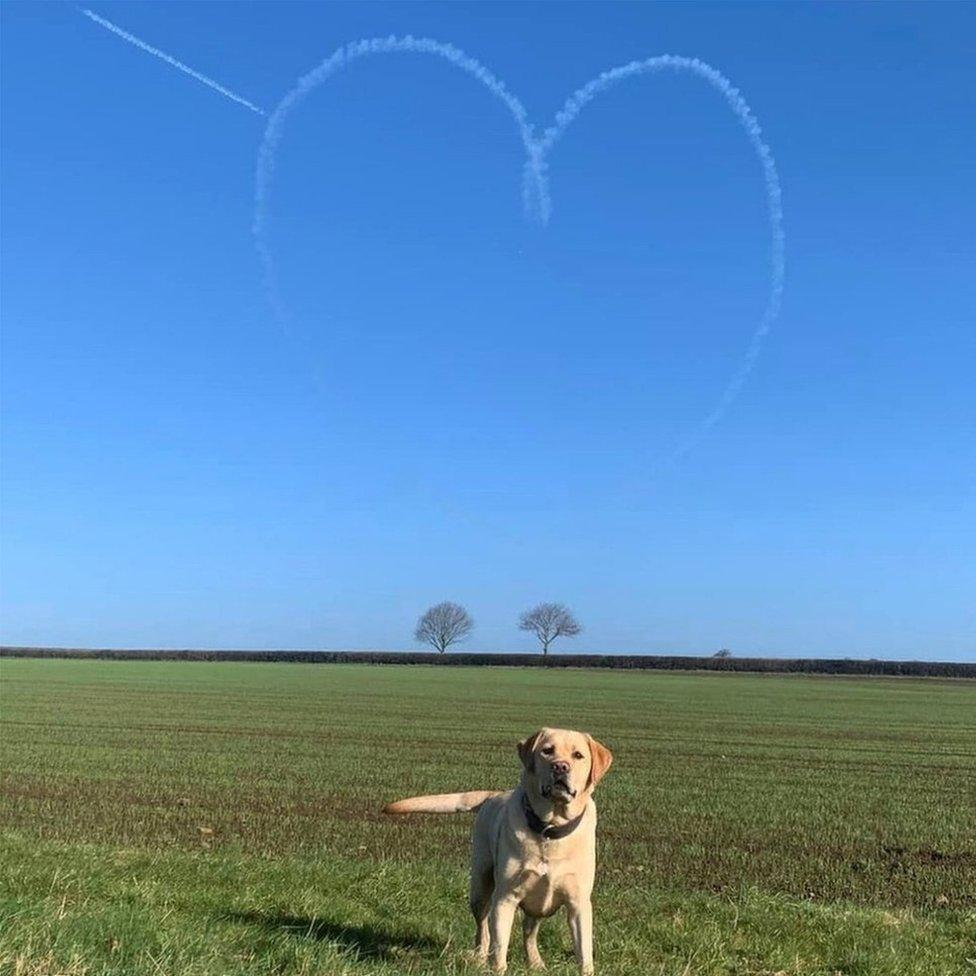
560	789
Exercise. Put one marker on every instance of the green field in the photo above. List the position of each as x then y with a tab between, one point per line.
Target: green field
195	818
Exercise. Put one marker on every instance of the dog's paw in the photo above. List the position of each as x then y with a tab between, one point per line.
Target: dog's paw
475	957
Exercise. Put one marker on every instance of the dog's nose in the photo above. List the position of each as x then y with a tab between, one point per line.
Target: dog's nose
560	768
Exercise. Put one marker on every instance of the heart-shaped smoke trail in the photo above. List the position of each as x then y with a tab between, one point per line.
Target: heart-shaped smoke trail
774	196
333	64
535	187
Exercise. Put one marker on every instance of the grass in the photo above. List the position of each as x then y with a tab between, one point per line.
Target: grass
214	819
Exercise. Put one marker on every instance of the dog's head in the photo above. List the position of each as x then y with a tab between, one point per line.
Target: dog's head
564	765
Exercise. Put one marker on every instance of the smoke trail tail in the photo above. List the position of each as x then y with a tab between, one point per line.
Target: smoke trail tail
179	65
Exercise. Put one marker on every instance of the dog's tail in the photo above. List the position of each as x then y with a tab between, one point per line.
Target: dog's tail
442	802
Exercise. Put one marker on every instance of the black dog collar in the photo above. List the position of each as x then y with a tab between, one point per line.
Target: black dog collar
548	831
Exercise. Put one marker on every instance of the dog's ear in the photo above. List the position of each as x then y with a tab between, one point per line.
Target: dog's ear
600	760
526	749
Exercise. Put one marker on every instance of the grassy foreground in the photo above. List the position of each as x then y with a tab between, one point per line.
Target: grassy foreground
211	819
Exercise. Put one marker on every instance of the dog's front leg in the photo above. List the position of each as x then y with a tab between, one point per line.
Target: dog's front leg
503	907
581	927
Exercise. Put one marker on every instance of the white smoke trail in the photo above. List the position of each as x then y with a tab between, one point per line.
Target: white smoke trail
179	65
774	198
333	64
535	188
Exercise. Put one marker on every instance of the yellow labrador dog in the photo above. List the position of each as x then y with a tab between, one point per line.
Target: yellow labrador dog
533	847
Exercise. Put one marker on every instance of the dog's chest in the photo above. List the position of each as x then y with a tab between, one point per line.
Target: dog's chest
543	881
540	891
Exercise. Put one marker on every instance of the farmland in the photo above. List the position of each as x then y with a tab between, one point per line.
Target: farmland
221	818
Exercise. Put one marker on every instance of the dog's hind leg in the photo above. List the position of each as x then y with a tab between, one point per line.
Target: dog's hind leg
482	886
530	934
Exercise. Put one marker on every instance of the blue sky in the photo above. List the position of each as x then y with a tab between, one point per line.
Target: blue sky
467	405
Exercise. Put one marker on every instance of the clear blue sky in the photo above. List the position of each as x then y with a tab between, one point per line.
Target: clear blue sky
469	406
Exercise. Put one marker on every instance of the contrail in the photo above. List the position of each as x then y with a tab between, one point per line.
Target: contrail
209	82
535	184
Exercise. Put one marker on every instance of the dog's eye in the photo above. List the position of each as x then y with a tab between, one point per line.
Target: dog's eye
549	749
577	755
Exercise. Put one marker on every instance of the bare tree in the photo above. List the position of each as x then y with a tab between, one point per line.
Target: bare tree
725	652
443	625
549	621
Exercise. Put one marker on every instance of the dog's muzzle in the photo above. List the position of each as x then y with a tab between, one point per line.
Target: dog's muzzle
560	787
